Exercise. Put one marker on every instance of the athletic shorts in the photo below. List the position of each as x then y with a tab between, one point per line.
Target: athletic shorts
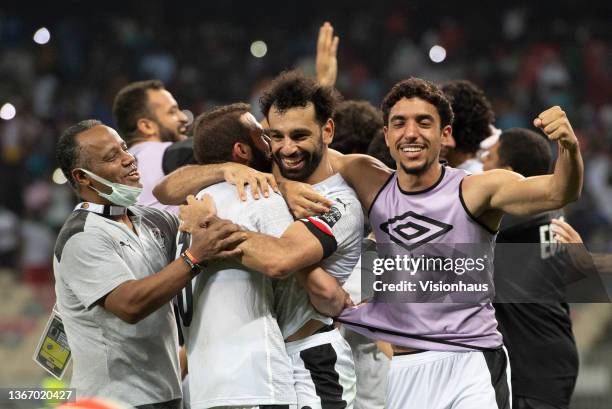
323	370
450	380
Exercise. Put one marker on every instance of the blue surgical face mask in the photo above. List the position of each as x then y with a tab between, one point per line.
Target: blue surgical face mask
121	195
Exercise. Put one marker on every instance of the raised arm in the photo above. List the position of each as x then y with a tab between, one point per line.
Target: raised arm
190	179
327	56
508	192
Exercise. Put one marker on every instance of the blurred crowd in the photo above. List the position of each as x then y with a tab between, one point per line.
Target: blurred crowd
526	58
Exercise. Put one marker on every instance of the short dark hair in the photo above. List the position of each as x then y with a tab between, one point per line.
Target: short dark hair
525	151
216	131
68	150
357	123
379	149
472	114
132	104
418	88
292	89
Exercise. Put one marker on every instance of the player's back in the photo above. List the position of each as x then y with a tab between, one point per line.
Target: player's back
235	348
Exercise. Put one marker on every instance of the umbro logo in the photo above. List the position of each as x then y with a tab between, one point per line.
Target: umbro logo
410	230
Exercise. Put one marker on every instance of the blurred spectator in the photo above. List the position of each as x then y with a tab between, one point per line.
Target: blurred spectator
357	124
472	123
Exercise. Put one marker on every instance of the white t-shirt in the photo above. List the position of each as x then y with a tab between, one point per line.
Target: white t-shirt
340	232
235	349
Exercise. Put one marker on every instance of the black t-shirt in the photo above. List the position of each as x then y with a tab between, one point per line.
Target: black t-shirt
177	155
538	336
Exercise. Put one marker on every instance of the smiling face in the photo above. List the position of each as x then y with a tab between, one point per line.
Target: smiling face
413	135
170	120
106	155
298	141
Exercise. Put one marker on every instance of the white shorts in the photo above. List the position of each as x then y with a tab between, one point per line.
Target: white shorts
323	370
450	380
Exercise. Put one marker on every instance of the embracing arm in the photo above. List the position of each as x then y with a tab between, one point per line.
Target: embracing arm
324	291
366	174
134	300
279	257
190	179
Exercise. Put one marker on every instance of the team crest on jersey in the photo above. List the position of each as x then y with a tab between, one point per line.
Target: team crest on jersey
159	237
410	230
331	218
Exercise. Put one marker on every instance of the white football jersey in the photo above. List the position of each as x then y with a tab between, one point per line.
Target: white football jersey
235	349
340	231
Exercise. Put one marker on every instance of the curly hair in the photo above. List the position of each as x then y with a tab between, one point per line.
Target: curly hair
418	88
473	114
217	130
292	89
357	123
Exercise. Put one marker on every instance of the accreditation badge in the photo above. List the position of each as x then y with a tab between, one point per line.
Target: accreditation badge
52	352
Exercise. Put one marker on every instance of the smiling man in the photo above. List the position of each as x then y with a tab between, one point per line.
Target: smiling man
115	274
149	118
299	115
460	361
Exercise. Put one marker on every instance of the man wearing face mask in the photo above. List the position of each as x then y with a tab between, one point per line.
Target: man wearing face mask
149	119
115	274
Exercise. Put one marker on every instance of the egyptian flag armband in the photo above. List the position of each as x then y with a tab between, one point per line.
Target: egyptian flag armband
323	233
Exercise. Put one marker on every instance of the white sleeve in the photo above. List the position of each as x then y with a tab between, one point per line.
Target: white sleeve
341	225
269	215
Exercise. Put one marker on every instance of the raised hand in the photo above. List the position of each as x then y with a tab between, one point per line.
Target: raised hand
555	124
327	55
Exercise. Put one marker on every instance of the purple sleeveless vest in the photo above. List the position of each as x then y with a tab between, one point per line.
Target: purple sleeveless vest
433	218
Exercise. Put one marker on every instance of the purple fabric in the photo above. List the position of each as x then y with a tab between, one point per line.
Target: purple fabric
439	217
149	156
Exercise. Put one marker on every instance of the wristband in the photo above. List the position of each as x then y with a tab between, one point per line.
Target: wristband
191	262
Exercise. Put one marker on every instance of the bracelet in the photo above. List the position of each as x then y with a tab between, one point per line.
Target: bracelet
191	257
191	262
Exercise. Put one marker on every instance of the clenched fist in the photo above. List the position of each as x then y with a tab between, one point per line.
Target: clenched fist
554	123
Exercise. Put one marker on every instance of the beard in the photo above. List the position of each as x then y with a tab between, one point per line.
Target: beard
260	160
311	161
418	170
415	171
167	134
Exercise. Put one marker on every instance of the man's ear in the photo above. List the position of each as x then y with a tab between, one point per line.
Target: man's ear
241	153
147	127
328	132
447	137
385	132
80	178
